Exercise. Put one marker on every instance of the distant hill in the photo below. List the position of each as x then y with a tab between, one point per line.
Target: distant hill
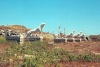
95	38
4	27
14	27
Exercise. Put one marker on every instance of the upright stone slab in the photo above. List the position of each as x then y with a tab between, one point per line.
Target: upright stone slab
21	39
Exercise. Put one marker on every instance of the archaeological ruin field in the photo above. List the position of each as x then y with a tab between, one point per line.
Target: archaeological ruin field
47	53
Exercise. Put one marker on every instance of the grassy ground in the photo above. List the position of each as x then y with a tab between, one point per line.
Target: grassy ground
42	54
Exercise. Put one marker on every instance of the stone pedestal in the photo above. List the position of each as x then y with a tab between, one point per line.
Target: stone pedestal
41	38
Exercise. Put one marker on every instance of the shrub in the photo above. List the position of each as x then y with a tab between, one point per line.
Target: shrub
88	57
71	57
80	57
3	40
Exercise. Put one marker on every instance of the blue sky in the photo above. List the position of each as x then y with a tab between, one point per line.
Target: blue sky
78	15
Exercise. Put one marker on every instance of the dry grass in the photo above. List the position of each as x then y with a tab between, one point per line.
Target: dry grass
48	38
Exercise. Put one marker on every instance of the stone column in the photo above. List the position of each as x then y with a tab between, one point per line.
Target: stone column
59	31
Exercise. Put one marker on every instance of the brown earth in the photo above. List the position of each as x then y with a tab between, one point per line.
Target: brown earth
3	47
80	64
80	47
77	64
